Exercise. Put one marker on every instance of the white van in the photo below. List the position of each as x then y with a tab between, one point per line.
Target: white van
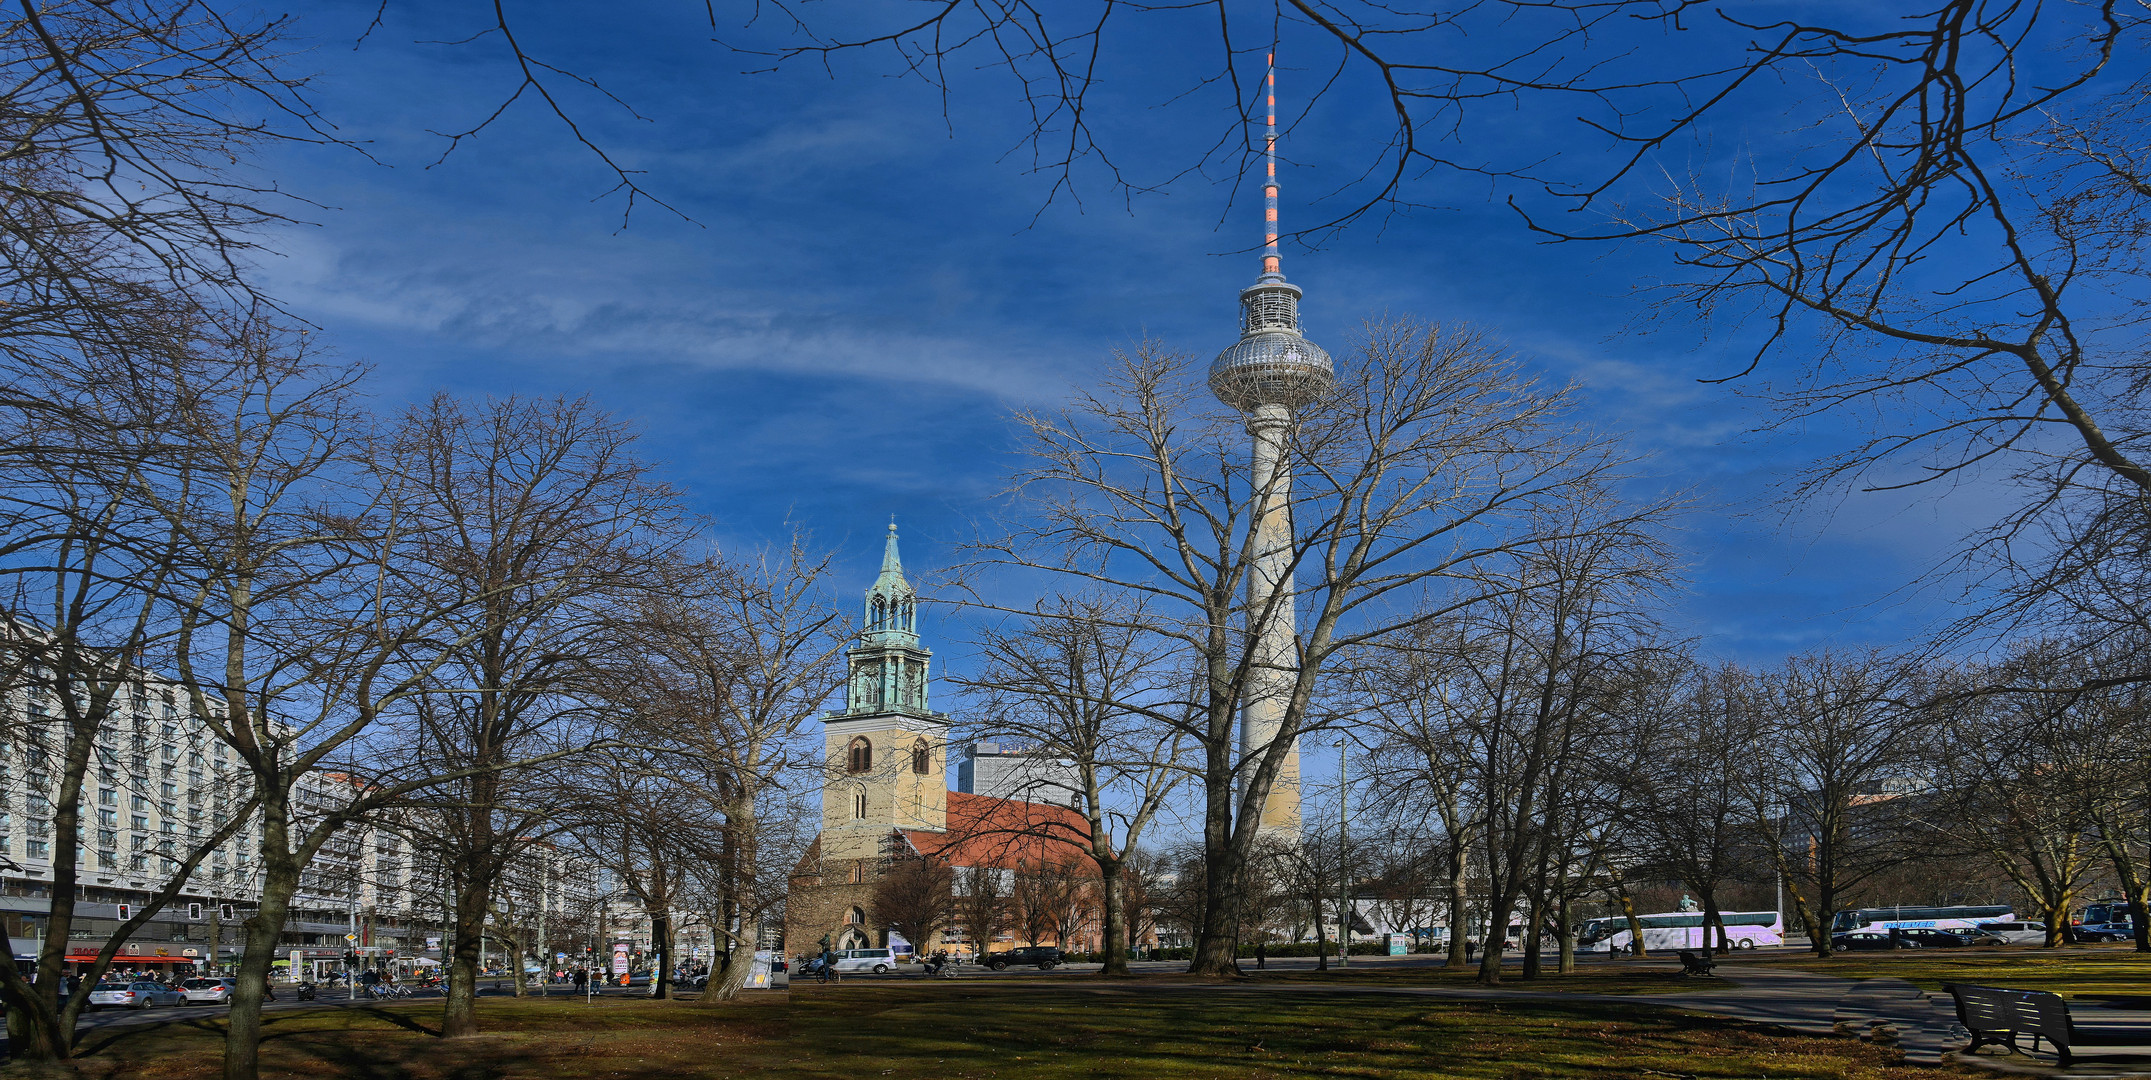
2012	933
877	961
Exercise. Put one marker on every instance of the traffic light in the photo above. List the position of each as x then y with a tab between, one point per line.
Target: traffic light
126	912
194	911
224	911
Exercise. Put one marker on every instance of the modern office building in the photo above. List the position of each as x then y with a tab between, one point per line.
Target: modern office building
1010	772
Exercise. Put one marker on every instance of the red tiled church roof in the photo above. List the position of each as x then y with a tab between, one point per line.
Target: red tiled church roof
984	831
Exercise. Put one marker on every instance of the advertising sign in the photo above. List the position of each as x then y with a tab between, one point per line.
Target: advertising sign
758	975
619	957
1400	944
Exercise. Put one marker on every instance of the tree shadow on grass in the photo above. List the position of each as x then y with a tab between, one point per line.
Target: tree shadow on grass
402	1018
98	1040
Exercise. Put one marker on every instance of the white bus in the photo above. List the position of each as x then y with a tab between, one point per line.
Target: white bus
1683	930
1940	918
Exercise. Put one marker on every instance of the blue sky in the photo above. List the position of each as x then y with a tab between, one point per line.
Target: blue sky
865	290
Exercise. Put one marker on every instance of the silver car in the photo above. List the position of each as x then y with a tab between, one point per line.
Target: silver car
134	995
209	991
2011	933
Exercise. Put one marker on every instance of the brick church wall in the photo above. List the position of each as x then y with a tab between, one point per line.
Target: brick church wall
817	904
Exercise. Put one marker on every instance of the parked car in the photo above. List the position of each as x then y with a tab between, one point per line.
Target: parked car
2014	933
877	961
1930	937
209	991
2102	932
1861	940
1045	956
143	994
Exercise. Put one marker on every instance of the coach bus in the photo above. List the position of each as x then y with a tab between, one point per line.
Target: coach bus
1684	930
1940	918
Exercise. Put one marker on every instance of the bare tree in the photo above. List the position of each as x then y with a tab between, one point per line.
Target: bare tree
916	895
1688	818
1840	739
983	904
1432	455
722	679
1085	683
530	521
2013	783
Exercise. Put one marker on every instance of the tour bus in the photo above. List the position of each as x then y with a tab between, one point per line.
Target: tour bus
1684	930
1940	918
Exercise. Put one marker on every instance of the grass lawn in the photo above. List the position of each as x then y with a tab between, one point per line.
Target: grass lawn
1006	1031
2079	970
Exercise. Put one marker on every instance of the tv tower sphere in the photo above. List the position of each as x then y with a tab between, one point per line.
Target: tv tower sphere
1271	364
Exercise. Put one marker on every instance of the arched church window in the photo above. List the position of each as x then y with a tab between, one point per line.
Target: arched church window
911	615
862	756
858	803
922	758
855	917
880	615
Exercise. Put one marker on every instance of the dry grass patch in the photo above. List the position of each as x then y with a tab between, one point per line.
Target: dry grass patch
558	1040
1168	1032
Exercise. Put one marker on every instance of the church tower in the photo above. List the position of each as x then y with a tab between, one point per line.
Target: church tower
887	751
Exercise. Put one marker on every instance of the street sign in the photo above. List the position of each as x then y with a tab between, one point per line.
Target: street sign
350	937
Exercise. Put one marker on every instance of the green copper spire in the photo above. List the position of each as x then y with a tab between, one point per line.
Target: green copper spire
888	666
892	607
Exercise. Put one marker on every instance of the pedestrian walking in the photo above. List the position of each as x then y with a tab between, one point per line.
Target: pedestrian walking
1467	950
1262	957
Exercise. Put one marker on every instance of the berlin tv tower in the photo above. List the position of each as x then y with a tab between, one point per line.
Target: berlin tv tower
1270	372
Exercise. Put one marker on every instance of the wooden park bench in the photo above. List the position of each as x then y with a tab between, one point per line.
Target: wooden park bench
2001	1016
1694	963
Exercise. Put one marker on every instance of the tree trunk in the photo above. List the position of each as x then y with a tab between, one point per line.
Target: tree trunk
1459	903
661	940
2055	910
1565	934
1321	938
1497	924
1533	961
242	1040
513	943
1635	922
1216	939
1115	940
1713	922
729	980
459	1016
33	1023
